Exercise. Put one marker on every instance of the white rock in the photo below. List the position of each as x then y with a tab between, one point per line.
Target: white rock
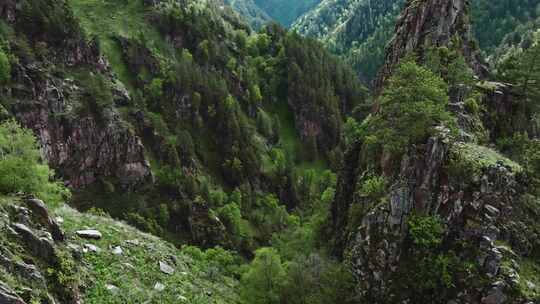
112	288
165	268
59	220
91	248
133	242
159	287
89	234
128	265
182	298
117	250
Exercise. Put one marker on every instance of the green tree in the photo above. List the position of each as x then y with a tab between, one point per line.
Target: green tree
255	94
21	166
523	70
262	281
5	68
411	106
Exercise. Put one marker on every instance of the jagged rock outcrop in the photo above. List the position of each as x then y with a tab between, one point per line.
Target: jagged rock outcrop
207	230
478	213
81	147
31	253
432	23
478	195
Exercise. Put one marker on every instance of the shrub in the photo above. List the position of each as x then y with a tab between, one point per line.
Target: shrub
425	231
21	166
373	187
471	105
5	68
262	281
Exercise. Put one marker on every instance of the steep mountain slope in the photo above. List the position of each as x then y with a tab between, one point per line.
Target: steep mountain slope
360	30
494	20
256	17
174	116
122	266
357	30
426	210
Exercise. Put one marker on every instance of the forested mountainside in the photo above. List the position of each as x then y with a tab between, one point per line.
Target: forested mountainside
162	151
177	118
360	30
253	14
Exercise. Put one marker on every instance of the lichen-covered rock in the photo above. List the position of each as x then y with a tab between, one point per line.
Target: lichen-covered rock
38	246
474	207
43	217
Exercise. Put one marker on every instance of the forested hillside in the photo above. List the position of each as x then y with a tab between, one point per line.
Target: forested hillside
253	14
166	151
360	30
179	119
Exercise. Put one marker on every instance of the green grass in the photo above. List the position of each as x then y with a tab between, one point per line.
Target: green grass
136	271
288	135
290	140
106	19
479	157
529	283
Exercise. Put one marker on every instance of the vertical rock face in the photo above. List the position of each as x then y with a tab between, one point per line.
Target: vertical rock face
477	194
431	23
476	213
81	147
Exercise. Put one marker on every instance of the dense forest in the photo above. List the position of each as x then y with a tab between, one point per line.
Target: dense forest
359	31
187	151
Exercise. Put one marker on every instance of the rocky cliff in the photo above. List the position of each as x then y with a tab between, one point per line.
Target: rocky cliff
46	95
426	24
454	222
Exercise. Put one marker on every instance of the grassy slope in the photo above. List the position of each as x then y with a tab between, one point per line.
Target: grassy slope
108	18
136	271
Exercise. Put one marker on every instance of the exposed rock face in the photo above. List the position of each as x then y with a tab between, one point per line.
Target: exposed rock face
507	115
206	229
474	212
478	194
28	248
82	148
431	23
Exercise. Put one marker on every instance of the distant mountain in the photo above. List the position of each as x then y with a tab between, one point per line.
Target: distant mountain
359	30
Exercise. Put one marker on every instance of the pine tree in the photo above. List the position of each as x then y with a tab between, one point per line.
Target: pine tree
261	283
